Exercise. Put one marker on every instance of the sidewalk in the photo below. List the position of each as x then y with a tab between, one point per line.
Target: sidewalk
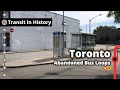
31	62
21	59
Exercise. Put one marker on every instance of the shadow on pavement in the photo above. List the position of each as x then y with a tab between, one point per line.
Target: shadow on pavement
110	76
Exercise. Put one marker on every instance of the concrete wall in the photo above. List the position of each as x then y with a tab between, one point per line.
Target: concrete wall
36	38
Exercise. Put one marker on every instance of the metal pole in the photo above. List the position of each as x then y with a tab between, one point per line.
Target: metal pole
86	28
90	22
4	45
80	28
11	42
89	26
63	34
81	41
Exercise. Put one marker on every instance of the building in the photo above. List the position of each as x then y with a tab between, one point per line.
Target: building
83	41
35	38
108	36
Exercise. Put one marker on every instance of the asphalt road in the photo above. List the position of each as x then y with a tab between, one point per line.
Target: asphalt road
49	71
57	72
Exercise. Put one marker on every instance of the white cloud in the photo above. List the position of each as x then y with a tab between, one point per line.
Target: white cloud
85	16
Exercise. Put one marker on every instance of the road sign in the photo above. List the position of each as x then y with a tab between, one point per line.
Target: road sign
115	60
11	30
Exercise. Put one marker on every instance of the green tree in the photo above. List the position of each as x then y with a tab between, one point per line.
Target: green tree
98	29
115	15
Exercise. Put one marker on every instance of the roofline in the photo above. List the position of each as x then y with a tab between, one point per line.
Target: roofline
62	15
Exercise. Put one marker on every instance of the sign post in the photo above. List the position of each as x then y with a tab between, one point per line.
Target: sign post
115	60
11	30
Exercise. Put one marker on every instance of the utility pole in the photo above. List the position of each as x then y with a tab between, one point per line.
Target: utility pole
63	36
80	28
86	28
90	22
90	26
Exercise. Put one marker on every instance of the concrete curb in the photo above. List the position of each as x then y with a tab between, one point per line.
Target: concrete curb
36	64
22	52
42	63
45	63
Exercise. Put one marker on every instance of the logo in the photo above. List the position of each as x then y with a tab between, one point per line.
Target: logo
107	67
4	22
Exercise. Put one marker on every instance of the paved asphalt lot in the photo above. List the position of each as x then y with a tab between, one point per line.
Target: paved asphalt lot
54	72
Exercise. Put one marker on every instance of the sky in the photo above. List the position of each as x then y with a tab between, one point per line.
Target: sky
85	16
